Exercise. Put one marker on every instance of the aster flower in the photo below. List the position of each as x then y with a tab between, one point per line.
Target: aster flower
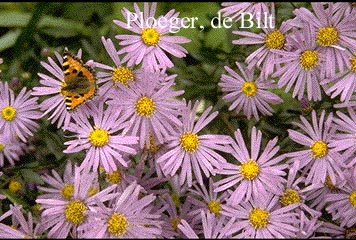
256	174
151	43
333	32
18	114
301	68
172	215
151	111
213	227
272	38
245	92
103	139
52	85
205	199
187	149
128	216
10	149
343	82
234	9
319	160
316	193
20	228
344	138
262	217
293	194
58	187
118	74
63	216
342	205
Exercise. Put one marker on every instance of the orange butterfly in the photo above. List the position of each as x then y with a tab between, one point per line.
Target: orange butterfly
79	83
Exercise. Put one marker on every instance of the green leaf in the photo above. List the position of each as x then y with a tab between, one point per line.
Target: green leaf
9	39
31	176
14	19
60	27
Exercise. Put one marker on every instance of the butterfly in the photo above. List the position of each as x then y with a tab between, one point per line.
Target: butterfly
79	83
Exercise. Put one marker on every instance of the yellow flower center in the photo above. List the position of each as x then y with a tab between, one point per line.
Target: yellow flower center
275	40
153	147
14	186
150	36
75	212
145	106
214	207
8	113
2	147
353	63
249	170
329	184
67	191
352	198
319	149
289	197
189	142
350	233
175	222
249	88
327	36
122	75
117	224
114	177
92	190
309	59
99	137
259	218
175	199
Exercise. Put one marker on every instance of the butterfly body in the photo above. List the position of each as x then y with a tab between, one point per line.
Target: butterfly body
79	83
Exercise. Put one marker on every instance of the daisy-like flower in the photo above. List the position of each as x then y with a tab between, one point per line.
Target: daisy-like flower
301	68
20	228
128	216
10	149
344	138
342	206
206	200
293	194
319	160
262	217
316	193
52	85
58	187
334	32
256	174
235	9
271	38
102	137
187	149
63	216
118	74
343	82
213	227
151	43
247	93
18	114
152	109
172	215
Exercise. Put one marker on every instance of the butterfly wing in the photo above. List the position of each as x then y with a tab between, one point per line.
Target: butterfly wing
79	81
